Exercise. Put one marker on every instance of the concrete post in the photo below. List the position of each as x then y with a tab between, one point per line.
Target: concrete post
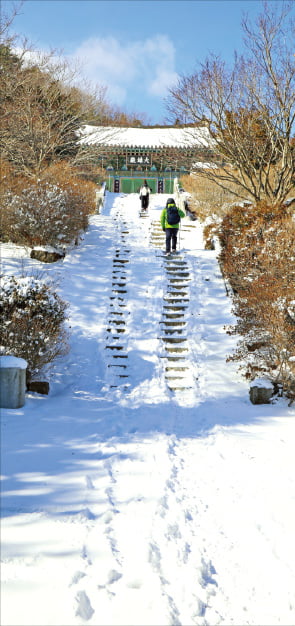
12	382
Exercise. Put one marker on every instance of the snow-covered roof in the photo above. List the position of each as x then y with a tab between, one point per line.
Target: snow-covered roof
146	137
204	166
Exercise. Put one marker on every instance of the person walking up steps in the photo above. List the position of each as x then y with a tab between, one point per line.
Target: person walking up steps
144	195
170	220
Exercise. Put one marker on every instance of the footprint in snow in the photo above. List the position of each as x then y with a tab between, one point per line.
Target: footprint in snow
89	483
84	609
113	576
77	577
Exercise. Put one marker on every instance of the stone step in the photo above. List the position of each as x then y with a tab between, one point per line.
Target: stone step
176	349
172	324
175	273
173	339
177	317
172	307
176	282
120	261
174	311
116	330
174	300
174	292
119	299
176	369
171	293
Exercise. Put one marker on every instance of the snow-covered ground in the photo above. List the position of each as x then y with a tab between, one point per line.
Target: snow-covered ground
127	500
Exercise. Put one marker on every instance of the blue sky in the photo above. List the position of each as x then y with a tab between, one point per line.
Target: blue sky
136	48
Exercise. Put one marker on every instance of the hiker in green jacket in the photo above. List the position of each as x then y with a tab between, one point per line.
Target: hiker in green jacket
170	220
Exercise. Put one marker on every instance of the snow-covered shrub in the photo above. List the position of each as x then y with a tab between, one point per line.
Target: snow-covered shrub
51	211
80	193
32	321
38	215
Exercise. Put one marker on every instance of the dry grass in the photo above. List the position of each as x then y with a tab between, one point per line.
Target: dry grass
208	199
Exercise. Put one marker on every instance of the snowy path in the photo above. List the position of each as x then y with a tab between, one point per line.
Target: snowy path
145	489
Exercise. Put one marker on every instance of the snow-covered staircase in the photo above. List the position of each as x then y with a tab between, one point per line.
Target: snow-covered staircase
170	313
118	313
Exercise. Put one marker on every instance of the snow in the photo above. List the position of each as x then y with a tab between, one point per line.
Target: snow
47	248
6	362
202	165
262	382
146	137
134	504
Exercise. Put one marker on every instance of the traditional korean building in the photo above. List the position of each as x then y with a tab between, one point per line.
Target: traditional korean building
130	155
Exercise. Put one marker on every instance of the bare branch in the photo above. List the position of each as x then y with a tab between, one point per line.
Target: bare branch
249	109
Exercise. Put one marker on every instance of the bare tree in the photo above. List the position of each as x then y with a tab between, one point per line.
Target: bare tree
41	111
6	19
249	109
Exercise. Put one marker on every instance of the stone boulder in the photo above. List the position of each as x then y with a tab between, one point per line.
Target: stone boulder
38	386
261	391
47	255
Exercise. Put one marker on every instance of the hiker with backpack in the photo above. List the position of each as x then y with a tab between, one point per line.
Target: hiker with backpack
170	221
144	195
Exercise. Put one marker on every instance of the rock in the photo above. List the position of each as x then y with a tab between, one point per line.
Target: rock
261	391
38	386
46	255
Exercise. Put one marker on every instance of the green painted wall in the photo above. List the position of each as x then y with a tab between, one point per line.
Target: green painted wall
168	185
130	184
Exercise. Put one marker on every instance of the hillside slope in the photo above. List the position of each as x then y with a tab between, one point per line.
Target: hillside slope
145	489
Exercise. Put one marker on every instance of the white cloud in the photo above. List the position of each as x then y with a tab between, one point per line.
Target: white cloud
145	66
162	81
